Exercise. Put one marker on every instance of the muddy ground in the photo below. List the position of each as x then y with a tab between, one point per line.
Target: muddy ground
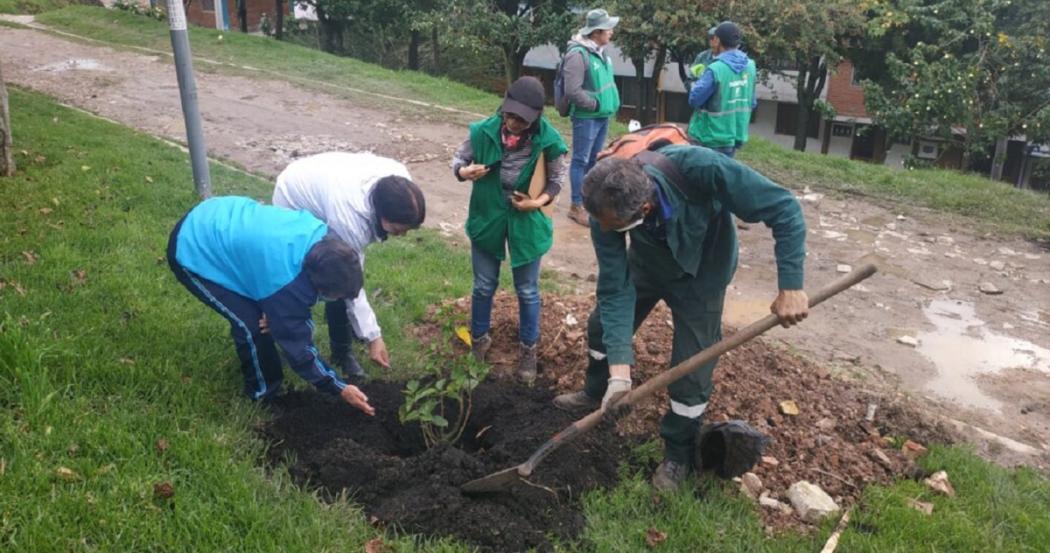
980	359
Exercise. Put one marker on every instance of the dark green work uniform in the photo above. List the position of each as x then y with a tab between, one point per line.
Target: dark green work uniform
685	253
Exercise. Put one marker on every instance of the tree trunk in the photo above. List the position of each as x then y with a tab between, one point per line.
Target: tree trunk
279	30
654	83
413	50
242	15
435	48
999	160
7	158
812	75
512	62
331	33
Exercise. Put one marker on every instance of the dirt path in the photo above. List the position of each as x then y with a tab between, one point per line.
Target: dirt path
982	359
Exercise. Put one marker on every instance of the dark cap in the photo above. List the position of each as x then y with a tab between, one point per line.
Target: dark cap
729	34
525	98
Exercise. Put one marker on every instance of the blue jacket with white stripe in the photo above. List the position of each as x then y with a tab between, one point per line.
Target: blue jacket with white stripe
257	251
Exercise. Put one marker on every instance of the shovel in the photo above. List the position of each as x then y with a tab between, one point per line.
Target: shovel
499	481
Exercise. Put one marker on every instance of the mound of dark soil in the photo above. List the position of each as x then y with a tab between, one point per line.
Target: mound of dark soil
386	468
828	443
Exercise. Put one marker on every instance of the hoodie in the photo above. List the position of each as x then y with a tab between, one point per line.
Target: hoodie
705	87
574	71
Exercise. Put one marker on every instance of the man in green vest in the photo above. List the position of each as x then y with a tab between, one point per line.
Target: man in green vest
590	87
724	95
682	250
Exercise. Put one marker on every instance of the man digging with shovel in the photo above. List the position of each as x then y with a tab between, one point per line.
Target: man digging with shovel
677	207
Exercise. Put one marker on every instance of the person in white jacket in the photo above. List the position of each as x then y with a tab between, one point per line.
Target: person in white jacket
363	198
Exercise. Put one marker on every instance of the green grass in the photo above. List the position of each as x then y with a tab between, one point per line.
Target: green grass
993	206
33	6
103	354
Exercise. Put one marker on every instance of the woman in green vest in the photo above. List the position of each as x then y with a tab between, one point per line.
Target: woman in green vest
500	156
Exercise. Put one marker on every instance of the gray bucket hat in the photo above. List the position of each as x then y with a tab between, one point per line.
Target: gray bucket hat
598	19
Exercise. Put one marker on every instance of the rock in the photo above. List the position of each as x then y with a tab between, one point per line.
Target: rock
751	485
946	240
1008	326
826	424
1032	256
881	458
1007	251
769	502
843	268
812	503
921	506
938	482
870	413
770	461
941	286
980	261
913	450
989	288
789	407
901	217
908	341
813	198
570	320
997	265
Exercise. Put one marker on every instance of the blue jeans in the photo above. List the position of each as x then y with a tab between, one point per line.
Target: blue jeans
588	138
486	280
730	151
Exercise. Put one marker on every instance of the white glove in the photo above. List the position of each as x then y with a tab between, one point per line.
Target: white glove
616	389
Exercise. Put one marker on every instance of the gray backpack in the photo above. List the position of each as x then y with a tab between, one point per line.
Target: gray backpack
561	100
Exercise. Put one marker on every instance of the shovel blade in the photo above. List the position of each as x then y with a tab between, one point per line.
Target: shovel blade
495	482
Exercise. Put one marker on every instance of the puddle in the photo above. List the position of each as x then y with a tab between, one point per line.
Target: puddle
81	64
962	347
862	237
741	312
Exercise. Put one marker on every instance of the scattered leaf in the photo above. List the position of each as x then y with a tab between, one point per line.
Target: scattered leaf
654	537
69	475
45	210
163	490
85	167
149	179
938	482
31	257
79	276
105	469
376	545
162	445
921	506
55	201
72	449
463	333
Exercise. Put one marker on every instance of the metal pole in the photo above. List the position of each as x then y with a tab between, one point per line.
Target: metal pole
180	44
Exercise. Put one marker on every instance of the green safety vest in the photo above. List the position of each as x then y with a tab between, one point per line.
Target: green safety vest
603	87
491	220
723	121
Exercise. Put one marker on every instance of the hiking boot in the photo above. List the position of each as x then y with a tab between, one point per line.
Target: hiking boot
479	347
527	364
351	368
579	215
576	401
669	475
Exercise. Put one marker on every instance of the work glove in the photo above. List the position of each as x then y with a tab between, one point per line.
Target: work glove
616	389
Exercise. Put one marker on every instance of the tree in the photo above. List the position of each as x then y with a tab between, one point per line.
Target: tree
7	159
279	19
512	27
971	72
807	36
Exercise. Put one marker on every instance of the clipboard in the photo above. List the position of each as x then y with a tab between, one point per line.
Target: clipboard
539	183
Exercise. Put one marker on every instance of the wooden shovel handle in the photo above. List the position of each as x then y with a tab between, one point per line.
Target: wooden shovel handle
665	378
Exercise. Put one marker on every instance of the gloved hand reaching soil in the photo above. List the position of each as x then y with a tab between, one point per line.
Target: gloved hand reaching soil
355	397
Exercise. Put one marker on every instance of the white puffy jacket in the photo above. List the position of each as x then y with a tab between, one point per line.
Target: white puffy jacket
336	187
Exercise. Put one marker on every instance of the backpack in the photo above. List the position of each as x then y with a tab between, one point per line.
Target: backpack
561	100
641	144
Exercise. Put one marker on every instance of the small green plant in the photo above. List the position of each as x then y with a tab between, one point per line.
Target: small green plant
441	401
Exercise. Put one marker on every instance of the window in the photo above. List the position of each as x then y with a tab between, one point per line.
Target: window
842	131
855	78
927	150
787	120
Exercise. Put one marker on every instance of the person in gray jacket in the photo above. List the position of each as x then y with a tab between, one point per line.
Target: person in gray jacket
590	87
